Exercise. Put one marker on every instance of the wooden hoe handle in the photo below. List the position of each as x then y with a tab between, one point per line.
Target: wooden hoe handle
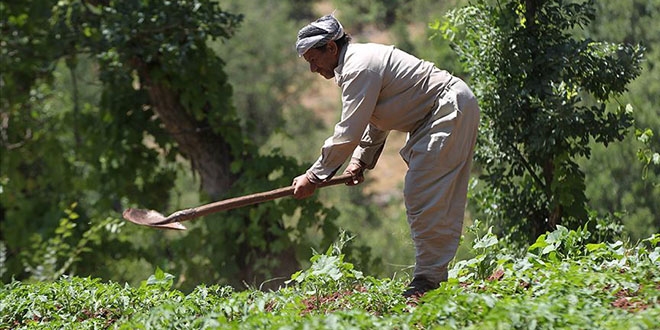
241	201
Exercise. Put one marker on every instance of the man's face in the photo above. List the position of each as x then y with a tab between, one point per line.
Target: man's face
323	60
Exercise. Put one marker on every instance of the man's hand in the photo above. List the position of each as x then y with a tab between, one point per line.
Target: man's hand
356	169
302	187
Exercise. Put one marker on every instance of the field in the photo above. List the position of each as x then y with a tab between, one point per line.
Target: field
561	282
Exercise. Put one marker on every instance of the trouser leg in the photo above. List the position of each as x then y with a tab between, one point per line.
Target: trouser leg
435	189
435	209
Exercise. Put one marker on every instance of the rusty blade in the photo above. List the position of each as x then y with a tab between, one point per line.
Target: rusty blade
150	218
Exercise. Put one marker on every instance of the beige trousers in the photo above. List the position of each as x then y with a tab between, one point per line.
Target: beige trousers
439	157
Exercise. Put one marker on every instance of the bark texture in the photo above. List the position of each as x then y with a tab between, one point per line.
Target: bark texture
208	151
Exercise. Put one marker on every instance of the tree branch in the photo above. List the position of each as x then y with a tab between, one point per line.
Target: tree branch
527	166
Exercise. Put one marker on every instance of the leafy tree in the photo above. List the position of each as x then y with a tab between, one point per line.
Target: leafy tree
531	74
52	156
157	91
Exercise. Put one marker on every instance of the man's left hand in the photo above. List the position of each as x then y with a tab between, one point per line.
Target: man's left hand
356	170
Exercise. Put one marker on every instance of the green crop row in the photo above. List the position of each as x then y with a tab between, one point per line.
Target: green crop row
559	283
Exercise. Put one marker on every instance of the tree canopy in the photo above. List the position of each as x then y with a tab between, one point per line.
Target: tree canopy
153	90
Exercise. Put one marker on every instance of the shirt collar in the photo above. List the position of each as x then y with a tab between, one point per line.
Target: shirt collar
340	63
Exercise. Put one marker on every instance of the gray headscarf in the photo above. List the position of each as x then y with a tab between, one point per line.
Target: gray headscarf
318	33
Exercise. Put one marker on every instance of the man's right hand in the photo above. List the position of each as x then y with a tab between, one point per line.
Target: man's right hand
302	187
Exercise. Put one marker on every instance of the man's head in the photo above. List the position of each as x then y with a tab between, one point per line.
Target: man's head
320	43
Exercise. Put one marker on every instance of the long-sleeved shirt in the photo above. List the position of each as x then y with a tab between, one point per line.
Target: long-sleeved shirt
383	89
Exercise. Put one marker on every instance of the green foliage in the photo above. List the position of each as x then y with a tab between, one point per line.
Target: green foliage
485	257
49	260
604	285
530	72
646	155
624	178
258	245
328	272
89	119
77	125
74	122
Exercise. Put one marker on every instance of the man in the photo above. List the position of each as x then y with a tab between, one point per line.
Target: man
384	89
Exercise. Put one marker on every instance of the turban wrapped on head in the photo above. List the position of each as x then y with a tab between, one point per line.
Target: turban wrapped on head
318	33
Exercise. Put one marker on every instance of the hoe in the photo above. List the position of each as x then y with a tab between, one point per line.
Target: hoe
153	218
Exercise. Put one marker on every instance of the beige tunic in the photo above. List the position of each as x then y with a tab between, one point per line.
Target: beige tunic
387	89
383	89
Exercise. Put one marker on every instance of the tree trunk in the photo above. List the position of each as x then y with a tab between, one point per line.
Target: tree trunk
553	217
530	12
554	214
208	151
211	157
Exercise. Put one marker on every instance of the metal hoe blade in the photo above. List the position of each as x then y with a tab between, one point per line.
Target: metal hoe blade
150	218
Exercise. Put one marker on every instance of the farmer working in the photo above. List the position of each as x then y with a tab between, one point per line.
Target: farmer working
384	89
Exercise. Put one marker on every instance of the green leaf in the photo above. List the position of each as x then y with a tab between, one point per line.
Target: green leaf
540	243
160	278
485	242
593	246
